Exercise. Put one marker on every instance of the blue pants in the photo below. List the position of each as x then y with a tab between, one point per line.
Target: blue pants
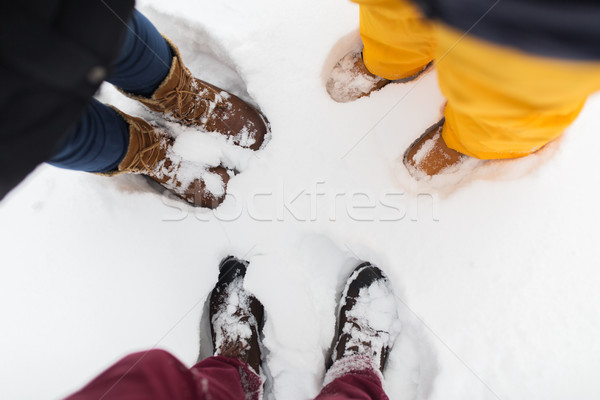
100	139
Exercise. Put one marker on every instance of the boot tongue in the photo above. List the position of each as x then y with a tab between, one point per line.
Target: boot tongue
182	96
172	80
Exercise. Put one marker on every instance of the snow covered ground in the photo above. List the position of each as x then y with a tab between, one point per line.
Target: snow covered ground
496	274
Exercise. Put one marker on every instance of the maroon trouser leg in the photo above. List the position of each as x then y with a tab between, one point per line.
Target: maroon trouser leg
157	375
352	378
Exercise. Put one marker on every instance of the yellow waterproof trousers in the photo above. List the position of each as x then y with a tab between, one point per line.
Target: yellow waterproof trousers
502	103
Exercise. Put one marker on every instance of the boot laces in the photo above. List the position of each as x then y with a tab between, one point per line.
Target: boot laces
147	162
184	94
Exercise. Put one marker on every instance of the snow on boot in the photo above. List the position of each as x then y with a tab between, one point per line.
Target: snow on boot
193	102
368	320
150	153
429	155
236	316
350	79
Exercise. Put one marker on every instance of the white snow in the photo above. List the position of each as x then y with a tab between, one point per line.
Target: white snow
497	274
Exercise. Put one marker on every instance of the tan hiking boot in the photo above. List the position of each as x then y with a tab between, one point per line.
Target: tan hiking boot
193	102
236	316
350	79
429	155
150	153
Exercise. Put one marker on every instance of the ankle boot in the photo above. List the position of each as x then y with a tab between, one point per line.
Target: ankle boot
150	153
429	155
350	79
236	316
193	102
368	320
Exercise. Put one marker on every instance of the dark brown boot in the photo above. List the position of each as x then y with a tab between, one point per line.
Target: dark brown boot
236	316
193	102
429	155
150	153
368	321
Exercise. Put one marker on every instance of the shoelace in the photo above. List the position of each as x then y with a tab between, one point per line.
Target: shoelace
139	157
181	95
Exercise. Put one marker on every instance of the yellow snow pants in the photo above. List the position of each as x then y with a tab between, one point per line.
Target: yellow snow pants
502	103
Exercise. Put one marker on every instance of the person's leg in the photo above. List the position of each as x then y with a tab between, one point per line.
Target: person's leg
97	143
99	140
236	319
227	378
367	327
150	70
503	103
158	375
398	45
110	142
398	41
236	316
232	374
352	378
145	58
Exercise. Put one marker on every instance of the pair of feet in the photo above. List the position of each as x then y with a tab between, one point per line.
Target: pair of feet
191	102
428	155
367	323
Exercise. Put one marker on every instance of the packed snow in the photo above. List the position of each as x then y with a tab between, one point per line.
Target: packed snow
496	272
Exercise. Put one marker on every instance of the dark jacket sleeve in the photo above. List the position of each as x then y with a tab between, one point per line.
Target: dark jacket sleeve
552	28
54	54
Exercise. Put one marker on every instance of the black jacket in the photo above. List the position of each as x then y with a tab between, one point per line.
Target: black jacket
53	56
566	29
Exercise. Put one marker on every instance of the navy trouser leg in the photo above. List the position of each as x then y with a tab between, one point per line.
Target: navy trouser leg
99	141
144	60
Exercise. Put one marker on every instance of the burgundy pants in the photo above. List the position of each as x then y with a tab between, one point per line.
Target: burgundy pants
157	375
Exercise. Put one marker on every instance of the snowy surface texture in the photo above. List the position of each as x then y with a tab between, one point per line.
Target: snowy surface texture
497	275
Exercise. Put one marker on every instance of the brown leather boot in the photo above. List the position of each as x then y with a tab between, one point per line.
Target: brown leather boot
150	153
193	102
429	155
368	322
236	316
350	79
